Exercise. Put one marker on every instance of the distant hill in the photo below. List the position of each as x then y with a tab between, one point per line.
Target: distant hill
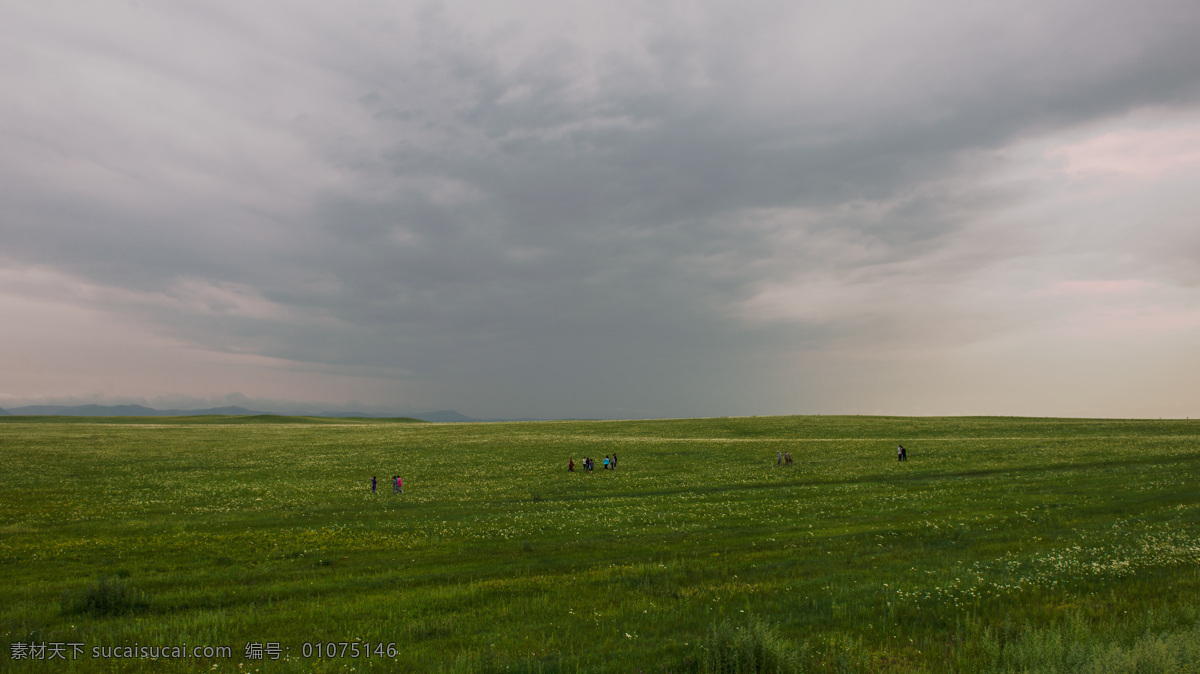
123	411
444	415
2	412
441	416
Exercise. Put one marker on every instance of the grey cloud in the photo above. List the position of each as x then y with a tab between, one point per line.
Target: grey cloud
477	202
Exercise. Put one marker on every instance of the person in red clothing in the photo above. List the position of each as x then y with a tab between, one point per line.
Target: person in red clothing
571	466
399	484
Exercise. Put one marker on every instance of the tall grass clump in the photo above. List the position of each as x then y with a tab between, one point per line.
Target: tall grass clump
107	596
1072	649
755	647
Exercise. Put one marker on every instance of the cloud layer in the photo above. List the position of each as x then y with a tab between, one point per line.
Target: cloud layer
603	210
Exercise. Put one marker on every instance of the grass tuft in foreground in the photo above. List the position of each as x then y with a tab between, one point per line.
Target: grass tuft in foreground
107	596
752	648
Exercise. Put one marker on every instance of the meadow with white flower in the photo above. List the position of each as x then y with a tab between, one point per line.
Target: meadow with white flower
1002	544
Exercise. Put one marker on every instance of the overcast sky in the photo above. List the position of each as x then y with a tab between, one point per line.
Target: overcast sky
606	209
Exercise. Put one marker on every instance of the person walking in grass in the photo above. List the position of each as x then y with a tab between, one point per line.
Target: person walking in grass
372	484
571	466
903	453
614	461
395	484
605	462
778	458
399	484
787	458
899	452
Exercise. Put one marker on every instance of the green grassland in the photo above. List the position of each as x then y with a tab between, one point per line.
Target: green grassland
1003	544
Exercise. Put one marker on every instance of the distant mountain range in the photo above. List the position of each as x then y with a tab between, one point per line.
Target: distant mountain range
143	411
120	411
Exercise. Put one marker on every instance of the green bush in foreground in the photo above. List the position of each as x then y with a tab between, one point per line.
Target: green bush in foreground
756	647
107	596
753	648
1076	648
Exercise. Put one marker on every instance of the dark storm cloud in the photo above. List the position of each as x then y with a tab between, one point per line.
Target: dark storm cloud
496	199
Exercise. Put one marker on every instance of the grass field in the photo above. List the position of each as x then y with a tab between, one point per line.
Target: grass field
1001	545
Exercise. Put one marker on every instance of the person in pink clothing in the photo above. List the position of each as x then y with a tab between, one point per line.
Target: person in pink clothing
399	484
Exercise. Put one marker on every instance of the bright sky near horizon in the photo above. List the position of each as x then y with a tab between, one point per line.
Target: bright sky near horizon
602	209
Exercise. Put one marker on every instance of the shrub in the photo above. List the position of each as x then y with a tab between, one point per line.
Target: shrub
105	597
754	647
1075	649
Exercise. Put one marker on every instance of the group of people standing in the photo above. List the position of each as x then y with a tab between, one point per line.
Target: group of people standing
610	463
397	484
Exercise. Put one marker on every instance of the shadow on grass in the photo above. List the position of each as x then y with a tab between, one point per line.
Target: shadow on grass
108	596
